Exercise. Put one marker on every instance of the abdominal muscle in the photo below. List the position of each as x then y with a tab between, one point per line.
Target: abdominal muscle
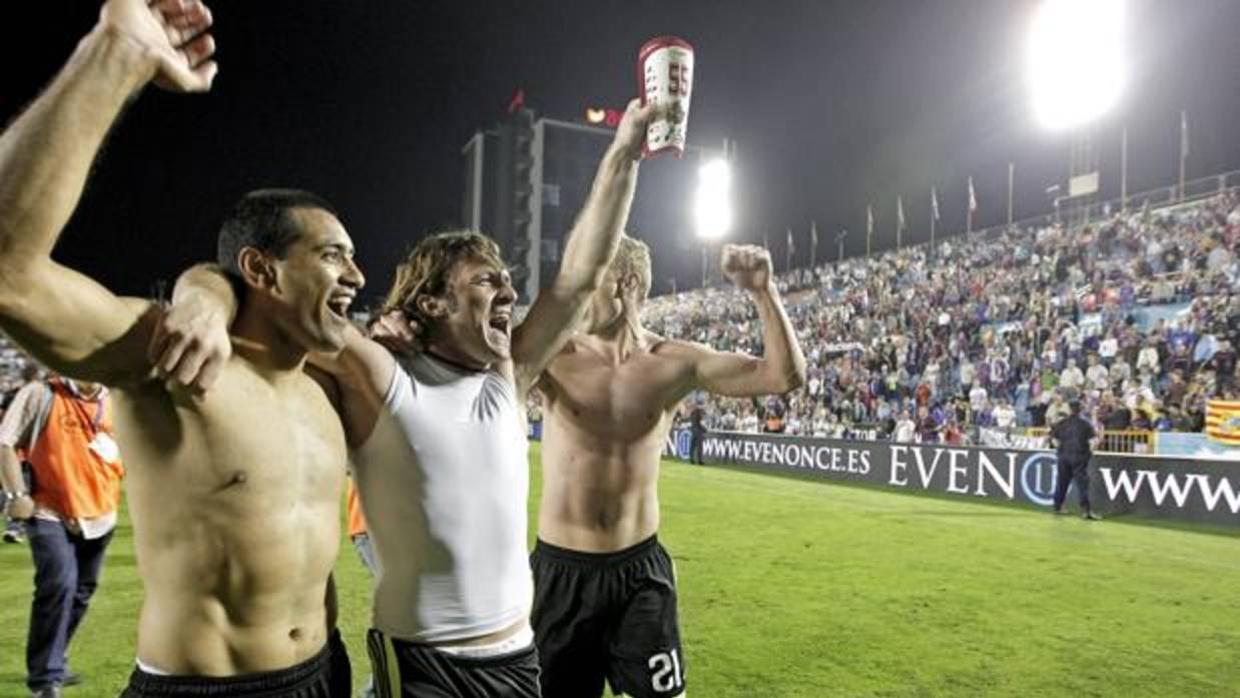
226	599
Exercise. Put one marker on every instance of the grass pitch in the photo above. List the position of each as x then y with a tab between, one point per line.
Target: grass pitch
793	588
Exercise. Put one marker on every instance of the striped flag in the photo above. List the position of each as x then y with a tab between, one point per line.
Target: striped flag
1223	421
869	220
900	213
934	204
972	198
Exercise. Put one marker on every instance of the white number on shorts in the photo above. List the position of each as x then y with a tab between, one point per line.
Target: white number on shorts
666	668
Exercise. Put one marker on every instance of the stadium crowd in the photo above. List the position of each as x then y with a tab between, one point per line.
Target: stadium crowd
1137	315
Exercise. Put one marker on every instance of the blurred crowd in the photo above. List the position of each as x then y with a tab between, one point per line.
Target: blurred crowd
1136	315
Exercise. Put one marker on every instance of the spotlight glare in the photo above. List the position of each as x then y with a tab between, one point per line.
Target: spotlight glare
1076	63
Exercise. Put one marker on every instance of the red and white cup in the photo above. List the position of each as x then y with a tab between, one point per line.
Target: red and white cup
665	74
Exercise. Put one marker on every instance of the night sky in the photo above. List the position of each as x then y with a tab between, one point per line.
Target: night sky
832	105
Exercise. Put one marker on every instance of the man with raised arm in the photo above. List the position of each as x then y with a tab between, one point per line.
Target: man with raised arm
236	525
605	589
439	449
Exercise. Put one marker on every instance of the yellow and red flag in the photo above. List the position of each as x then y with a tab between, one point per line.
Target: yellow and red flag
1223	421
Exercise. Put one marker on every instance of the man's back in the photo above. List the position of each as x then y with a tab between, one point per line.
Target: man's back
234	498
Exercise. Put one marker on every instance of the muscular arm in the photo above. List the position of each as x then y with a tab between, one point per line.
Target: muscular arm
65	319
782	365
356	378
780	369
591	245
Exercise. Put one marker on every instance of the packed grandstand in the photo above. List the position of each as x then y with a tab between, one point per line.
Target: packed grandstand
1136	314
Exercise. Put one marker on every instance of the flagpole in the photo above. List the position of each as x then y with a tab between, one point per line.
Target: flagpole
813	243
1011	178
869	227
1123	170
934	214
788	252
1183	147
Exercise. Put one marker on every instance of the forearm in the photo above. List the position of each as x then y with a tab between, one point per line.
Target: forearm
781	352
595	236
46	154
11	470
207	285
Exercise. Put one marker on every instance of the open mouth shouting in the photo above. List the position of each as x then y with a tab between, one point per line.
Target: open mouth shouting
338	306
499	329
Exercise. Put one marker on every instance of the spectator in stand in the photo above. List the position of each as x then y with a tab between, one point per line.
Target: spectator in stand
1071	378
1004	415
1097	377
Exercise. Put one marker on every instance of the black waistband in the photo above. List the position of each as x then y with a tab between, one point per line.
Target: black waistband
258	684
604	559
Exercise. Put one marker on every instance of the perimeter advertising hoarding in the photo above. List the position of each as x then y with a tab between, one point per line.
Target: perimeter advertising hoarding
1157	487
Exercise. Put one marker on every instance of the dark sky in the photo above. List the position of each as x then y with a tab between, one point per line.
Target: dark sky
832	104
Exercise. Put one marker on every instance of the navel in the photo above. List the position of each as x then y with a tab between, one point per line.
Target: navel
238	478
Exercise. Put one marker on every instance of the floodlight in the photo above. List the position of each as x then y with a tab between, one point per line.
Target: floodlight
1076	60
712	206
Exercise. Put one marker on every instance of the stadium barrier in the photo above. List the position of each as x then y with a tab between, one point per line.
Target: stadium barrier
1115	441
1185	489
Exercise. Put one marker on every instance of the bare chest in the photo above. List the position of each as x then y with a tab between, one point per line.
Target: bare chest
630	399
248	441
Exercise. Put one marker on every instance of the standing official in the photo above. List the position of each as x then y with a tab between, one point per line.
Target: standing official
70	511
1073	438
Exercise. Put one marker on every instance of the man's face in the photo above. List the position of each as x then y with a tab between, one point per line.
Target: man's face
475	323
317	280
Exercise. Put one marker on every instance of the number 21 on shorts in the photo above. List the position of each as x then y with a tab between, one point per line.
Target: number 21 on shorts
666	674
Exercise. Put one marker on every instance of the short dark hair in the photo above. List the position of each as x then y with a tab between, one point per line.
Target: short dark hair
1074	407
260	220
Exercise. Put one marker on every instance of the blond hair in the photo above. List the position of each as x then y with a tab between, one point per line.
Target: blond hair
426	270
633	257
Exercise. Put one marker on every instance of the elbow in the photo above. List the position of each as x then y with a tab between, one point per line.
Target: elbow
15	287
796	377
792	379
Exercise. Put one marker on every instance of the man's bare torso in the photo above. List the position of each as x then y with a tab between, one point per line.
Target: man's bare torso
235	504
605	422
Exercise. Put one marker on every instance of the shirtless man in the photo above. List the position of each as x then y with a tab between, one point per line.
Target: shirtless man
605	595
439	449
236	528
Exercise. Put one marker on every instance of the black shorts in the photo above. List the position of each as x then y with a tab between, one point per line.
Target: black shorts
412	670
607	616
325	675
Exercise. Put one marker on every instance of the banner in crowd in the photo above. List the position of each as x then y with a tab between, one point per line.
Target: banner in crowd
1157	487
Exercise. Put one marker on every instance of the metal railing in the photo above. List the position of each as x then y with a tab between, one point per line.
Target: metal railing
1115	441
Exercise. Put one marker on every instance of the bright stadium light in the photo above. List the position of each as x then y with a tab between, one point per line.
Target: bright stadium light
712	205
1076	61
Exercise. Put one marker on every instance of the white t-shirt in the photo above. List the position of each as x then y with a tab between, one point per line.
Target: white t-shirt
444	483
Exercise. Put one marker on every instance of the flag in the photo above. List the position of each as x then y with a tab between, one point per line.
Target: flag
517	101
1183	133
766	241
934	204
813	234
869	220
900	212
791	247
1223	421
972	198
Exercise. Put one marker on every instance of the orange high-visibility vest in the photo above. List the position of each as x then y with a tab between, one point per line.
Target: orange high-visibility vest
357	522
71	475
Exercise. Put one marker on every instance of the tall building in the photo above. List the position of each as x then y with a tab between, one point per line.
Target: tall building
526	180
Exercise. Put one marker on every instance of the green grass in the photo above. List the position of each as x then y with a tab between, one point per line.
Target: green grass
799	588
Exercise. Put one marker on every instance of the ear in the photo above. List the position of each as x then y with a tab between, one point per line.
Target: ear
256	268
431	307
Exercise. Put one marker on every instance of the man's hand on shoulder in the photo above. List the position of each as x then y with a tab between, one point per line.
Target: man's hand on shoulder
190	344
396	332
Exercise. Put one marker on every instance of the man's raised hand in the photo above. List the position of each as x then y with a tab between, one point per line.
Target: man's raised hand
175	32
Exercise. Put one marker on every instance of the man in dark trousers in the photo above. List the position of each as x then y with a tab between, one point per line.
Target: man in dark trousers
1073	437
697	433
